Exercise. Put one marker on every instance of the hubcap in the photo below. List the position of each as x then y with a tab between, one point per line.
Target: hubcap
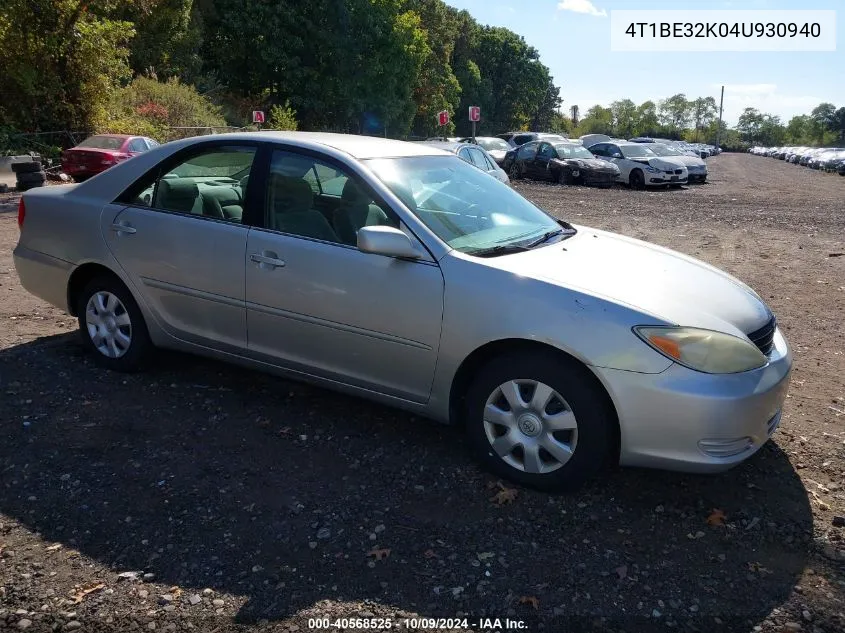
530	426
108	324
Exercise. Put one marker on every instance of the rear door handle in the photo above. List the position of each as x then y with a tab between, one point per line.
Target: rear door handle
270	260
118	228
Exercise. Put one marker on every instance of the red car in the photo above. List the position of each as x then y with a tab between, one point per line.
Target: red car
98	153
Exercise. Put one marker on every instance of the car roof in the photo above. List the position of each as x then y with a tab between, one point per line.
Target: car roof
357	146
448	146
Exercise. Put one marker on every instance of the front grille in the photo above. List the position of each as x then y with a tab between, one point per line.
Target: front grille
679	171
764	338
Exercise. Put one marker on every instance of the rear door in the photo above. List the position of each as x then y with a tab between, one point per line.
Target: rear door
322	307
179	237
542	164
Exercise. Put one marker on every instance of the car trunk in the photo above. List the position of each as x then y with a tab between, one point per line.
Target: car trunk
89	158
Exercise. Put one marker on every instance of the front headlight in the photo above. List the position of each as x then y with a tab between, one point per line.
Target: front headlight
703	350
652	170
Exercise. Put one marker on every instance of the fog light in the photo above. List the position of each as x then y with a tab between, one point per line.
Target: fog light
726	447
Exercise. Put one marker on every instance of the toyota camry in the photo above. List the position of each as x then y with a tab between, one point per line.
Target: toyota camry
398	272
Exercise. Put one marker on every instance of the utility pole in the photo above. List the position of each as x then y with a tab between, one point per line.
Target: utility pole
721	106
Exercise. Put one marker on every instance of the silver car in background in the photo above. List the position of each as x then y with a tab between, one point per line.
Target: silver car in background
473	154
696	167
398	272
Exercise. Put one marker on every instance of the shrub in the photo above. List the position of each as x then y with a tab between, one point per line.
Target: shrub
152	108
283	117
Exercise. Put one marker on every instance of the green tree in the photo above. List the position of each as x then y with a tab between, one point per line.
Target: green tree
750	124
675	113
61	60
703	112
624	112
597	120
797	130
283	117
647	122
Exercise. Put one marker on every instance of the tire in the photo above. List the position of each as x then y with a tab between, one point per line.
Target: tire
514	172
31	177
26	186
564	177
577	397
636	179
123	317
26	168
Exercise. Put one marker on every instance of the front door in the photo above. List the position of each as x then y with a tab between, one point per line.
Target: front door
179	237
320	306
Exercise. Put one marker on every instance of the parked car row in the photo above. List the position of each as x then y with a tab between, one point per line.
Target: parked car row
602	161
827	159
593	159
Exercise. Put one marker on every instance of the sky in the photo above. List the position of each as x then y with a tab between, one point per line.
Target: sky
573	39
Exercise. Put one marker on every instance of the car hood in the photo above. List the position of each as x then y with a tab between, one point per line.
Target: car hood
659	162
497	154
689	161
665	284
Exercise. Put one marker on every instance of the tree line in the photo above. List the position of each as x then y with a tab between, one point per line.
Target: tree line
368	66
696	120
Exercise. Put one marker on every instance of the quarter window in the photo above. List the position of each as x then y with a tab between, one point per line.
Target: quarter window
137	145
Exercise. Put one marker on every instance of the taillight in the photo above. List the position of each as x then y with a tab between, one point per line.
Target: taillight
21	213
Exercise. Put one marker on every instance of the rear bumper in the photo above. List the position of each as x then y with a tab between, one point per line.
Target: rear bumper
689	421
44	276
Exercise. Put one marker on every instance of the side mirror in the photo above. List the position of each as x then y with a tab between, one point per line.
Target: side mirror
616	155
388	241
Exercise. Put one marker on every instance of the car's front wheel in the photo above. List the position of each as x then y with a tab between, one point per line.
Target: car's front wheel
636	179
112	325
514	171
539	419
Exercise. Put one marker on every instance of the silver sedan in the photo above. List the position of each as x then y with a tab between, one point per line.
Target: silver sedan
398	272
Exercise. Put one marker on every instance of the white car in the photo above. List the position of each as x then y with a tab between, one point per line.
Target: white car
639	166
696	167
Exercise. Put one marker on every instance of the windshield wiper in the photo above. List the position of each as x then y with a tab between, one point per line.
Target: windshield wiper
502	249
547	236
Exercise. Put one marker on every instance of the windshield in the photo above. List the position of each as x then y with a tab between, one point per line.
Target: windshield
103	142
573	151
493	144
462	205
664	150
637	151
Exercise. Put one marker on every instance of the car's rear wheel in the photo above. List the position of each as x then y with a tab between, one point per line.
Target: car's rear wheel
540	420
112	325
636	179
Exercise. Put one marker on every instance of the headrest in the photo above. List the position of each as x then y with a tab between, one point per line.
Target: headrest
177	189
290	195
353	194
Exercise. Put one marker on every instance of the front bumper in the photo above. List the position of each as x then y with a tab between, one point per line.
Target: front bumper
663	178
689	421
597	177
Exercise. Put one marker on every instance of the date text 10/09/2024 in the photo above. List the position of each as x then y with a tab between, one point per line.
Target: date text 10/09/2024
486	625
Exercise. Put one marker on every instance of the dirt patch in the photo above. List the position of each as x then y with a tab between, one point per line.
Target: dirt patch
203	495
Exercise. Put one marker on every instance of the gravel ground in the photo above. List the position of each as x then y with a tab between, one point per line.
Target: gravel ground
203	496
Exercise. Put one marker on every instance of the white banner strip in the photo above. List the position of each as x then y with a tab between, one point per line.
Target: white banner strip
721	31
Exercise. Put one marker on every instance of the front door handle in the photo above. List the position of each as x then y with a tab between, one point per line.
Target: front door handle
268	259
120	227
